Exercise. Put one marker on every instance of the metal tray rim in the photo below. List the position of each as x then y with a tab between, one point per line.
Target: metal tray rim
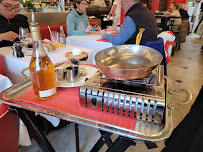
159	136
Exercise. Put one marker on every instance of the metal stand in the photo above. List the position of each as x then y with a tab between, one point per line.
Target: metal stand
38	135
105	138
151	145
119	145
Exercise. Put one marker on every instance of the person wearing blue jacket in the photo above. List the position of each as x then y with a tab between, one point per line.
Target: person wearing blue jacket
77	22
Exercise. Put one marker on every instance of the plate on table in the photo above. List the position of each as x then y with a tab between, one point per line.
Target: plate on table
57	50
93	32
90	70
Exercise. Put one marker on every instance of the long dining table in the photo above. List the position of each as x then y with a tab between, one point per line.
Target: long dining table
91	41
14	65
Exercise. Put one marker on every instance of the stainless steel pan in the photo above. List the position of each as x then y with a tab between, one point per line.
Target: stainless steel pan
127	62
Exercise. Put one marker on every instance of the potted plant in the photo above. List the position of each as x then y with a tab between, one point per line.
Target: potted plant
29	5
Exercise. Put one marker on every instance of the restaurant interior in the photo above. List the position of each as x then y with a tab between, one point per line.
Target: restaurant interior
83	121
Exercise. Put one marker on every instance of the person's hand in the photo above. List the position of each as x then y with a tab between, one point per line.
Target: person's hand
108	17
98	28
9	36
89	28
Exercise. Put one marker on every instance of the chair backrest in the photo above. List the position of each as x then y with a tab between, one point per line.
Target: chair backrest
94	23
9	130
159	46
2	70
45	31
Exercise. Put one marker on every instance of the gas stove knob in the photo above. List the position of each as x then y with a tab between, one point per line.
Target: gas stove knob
94	102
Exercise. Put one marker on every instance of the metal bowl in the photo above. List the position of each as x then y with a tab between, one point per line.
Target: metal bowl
127	62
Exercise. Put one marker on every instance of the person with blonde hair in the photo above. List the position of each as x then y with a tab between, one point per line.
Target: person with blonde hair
174	12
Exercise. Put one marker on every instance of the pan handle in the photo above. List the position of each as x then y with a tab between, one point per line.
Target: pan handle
173	105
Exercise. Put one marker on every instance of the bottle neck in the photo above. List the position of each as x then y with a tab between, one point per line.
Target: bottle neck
38	49
61	30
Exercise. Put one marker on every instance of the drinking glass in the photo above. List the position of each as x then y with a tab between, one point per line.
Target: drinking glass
25	36
55	38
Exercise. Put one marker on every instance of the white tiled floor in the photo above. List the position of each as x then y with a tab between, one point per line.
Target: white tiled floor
186	65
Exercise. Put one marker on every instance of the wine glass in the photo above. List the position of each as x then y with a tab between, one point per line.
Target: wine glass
25	36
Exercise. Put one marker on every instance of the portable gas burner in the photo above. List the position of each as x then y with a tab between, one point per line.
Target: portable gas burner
143	99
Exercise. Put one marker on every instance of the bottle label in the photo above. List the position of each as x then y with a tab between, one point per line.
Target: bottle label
63	41
47	93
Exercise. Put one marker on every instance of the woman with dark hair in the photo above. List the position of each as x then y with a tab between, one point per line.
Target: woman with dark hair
77	22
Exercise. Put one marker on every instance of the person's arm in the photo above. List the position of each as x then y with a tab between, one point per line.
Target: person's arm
126	32
87	24
70	22
113	8
8	36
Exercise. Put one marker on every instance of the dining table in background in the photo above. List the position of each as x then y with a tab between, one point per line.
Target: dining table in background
14	65
5	83
91	41
164	21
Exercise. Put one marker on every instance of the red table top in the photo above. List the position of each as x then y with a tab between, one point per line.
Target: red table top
67	101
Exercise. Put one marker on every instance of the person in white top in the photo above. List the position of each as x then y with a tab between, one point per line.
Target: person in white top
116	12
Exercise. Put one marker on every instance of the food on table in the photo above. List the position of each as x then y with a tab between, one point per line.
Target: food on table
93	32
70	55
50	47
76	56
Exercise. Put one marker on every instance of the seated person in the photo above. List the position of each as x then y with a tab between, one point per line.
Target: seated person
10	22
174	12
77	22
137	16
184	27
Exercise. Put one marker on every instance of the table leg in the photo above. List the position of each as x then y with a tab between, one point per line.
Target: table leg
105	138
77	137
121	144
151	145
38	135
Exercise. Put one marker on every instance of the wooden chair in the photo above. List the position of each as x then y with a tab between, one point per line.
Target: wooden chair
45	31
